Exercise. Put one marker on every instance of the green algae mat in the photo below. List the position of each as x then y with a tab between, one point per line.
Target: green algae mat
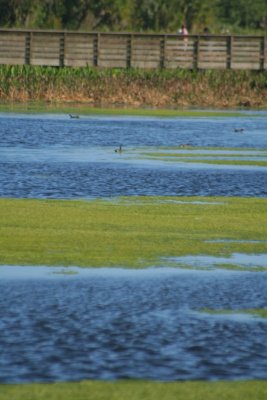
129	231
137	390
189	154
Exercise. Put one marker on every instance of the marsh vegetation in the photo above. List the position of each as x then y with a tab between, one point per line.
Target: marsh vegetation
134	88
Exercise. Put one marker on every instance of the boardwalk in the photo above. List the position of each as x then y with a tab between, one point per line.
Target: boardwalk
132	50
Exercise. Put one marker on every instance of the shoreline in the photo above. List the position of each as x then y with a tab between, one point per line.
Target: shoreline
87	109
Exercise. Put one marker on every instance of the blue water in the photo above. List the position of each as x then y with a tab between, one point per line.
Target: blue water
115	324
44	156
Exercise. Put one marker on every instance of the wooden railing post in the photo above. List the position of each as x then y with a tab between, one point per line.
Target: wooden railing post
196	53
96	49
28	42
62	42
262	52
229	52
162	52
129	51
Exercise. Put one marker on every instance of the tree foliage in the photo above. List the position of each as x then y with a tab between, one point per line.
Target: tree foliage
139	15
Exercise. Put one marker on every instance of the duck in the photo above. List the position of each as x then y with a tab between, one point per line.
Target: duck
239	129
74	116
119	150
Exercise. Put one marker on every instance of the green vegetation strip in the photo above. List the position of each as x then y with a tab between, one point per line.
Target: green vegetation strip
137	390
160	91
257	312
128	232
89	110
217	158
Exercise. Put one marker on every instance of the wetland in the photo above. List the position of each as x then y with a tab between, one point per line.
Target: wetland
169	241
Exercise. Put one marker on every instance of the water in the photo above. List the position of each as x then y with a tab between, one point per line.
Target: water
115	324
58	325
44	156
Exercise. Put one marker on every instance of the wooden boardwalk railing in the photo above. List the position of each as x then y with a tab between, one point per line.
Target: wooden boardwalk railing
125	50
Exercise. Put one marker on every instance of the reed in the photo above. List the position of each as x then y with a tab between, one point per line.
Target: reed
134	87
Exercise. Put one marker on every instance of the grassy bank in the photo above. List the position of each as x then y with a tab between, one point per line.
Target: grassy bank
134	88
137	390
130	232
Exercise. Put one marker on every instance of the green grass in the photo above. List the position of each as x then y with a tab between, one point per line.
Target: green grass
129	232
257	312
137	390
195	157
88	109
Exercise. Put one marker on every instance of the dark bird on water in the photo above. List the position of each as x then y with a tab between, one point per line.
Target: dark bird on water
239	129
119	150
74	116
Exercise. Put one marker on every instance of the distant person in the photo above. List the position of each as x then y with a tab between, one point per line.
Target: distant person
183	31
206	31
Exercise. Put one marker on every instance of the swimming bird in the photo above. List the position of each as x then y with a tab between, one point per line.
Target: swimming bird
119	150
74	116
239	129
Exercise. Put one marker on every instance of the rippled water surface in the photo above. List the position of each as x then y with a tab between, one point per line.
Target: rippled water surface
111	324
45	156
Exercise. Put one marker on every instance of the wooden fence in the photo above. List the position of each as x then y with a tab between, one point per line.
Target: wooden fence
125	50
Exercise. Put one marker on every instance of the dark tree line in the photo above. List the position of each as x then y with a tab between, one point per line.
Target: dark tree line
221	16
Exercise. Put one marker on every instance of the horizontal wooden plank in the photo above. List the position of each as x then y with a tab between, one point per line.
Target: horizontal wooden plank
174	65
246	54
12	54
44	53
45	46
80	58
145	44
12	38
78	54
12	61
109	41
110	50
78	45
178	54
68	62
212	56
109	57
139	50
245	48
179	43
112	64
243	65
12	43
44	61
179	60
117	56
145	64
211	66
212	48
